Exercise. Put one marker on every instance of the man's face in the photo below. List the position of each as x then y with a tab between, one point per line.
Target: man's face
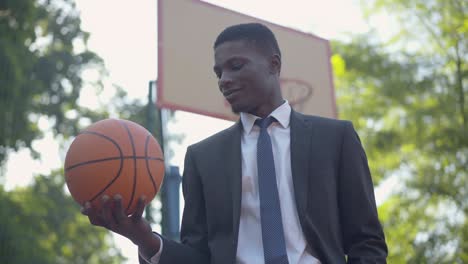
244	76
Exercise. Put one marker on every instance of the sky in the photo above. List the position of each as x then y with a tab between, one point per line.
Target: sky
124	35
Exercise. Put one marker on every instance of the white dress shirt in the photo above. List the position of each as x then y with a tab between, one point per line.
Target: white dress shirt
250	245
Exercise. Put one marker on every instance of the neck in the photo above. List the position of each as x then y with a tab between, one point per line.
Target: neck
265	110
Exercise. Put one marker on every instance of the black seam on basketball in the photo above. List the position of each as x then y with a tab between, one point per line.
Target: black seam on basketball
134	164
111	158
121	162
121	157
147	164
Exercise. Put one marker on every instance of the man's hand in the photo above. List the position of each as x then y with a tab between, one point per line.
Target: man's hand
111	215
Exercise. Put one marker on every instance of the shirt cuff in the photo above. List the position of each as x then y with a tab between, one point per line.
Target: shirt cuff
154	259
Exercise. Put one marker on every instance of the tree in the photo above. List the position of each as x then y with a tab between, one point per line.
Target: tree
41	66
408	105
43	223
43	60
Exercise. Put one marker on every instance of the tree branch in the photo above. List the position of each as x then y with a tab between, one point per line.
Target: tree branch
459	87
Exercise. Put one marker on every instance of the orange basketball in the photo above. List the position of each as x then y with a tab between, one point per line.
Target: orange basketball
114	156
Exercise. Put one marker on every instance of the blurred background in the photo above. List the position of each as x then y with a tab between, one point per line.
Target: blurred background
399	69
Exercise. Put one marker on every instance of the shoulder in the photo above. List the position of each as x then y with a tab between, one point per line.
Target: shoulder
322	123
330	131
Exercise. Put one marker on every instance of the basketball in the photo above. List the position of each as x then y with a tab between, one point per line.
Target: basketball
114	156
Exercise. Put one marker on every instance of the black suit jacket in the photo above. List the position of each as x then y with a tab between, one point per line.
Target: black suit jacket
333	192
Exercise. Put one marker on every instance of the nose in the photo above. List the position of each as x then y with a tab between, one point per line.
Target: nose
224	82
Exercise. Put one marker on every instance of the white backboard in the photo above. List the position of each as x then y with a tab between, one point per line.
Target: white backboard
187	30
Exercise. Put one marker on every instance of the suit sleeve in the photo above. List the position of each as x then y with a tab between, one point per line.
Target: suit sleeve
363	237
194	243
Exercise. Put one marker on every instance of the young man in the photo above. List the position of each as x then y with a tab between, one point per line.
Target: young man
276	187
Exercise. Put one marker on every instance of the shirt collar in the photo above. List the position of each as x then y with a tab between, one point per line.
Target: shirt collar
281	114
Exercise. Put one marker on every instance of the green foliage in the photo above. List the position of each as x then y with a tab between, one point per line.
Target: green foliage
407	99
436	30
371	91
43	58
42	223
40	70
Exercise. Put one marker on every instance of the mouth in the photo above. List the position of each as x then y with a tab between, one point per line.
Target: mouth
230	93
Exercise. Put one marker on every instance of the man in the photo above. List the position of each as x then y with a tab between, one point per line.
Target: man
276	187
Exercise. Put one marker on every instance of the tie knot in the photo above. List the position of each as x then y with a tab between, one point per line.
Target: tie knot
265	122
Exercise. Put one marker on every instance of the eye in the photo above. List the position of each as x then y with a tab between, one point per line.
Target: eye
237	66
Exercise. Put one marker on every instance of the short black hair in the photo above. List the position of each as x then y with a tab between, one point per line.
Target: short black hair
256	33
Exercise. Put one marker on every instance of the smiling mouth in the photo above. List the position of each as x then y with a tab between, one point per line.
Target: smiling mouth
229	93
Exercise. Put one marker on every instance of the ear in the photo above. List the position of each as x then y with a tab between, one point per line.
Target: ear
275	64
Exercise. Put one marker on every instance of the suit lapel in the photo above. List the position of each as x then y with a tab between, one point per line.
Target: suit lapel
234	173
300	161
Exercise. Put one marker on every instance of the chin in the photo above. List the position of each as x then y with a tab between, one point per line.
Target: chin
238	107
235	110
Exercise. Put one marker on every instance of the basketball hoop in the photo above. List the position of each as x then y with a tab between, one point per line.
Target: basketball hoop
297	92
